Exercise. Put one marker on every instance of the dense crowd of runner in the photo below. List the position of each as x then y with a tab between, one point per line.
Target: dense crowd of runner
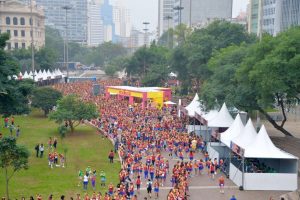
141	136
146	140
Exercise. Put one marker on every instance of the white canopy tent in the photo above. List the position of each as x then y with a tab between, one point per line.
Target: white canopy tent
285	173
210	115
222	119
194	107
247	137
236	129
263	147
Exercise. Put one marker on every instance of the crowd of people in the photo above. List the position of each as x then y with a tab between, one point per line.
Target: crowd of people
143	136
146	141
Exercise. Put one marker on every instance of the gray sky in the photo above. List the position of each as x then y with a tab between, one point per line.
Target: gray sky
146	10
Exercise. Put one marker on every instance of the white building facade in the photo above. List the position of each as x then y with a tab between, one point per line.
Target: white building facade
95	33
165	15
15	19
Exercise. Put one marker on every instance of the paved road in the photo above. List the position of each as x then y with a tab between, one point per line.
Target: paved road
203	187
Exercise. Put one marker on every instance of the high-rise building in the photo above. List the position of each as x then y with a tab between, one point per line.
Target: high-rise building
15	19
95	25
201	12
55	17
165	15
273	16
108	24
121	19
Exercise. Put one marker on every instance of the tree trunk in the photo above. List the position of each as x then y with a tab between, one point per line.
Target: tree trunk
280	128
46	112
7	180
71	126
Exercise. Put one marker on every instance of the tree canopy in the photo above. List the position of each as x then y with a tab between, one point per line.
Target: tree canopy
258	76
45	98
13	158
13	93
73	110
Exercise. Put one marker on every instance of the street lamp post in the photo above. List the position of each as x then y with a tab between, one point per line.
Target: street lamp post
146	30
66	51
146	41
32	41
191	2
179	8
168	18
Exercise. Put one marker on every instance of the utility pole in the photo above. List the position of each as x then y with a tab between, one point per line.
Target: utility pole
32	41
146	41
66	53
169	18
146	30
179	8
191	2
261	13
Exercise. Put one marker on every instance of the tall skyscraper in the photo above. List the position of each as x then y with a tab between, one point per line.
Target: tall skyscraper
165	15
108	24
201	12
273	16
95	25
121	18
55	17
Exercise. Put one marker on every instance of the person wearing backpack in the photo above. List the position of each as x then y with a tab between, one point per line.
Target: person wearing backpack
149	187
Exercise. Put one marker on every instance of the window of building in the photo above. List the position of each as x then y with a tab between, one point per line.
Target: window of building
16	33
30	33
22	33
30	21
16	45
8	31
7	21
23	45
22	21
8	46
15	21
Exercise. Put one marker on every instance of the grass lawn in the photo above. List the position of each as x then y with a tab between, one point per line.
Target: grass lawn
85	148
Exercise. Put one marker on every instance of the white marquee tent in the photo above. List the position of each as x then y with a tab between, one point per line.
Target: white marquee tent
233	131
247	137
222	119
261	148
194	107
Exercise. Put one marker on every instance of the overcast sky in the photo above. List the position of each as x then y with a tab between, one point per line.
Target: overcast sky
146	10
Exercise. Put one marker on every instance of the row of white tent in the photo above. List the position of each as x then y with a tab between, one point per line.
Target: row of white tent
41	75
253	145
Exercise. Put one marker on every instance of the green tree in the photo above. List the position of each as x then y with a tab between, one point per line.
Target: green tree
145	58
198	48
73	110
45	98
223	66
13	158
258	77
13	93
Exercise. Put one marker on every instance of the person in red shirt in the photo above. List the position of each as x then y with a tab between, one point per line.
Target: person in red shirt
111	156
221	184
138	184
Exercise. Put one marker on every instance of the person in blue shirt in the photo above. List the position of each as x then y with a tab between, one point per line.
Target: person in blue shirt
233	198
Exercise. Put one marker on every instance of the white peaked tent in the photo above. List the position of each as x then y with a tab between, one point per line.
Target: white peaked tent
210	115
236	129
263	147
26	75
222	119
194	107
247	137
